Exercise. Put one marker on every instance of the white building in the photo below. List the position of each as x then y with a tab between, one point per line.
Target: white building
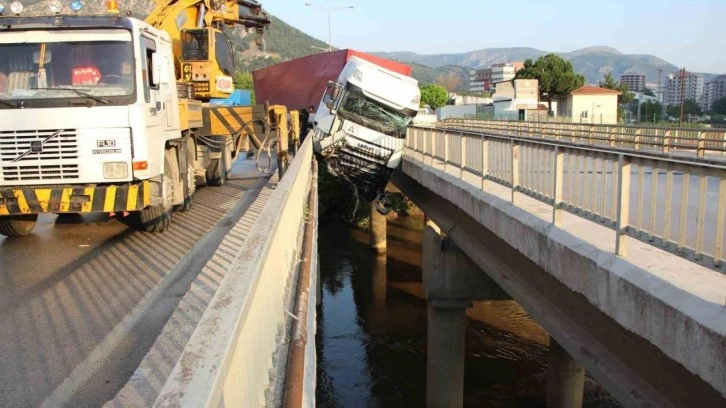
519	100
591	104
505	71
686	83
480	80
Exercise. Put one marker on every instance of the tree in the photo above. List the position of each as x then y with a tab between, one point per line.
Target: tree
555	75
625	95
243	80
719	106
690	107
451	81
610	83
651	111
434	95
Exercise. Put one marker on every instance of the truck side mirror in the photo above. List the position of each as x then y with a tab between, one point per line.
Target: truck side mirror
332	93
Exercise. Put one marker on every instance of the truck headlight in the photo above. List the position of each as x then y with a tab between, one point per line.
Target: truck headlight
16	7
2	9
55	6
115	170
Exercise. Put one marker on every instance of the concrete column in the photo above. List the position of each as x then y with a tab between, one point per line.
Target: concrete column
445	353
378	230
565	379
379	285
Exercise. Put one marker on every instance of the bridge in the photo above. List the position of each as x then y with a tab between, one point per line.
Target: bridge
610	237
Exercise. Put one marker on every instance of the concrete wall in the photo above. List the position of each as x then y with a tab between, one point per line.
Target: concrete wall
599	108
230	357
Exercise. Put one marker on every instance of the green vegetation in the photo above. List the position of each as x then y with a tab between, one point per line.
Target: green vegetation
719	106
555	75
690	107
434	95
243	80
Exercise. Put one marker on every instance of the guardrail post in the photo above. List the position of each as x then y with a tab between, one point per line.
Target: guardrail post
667	142
432	145
462	162
723	148
589	134
636	140
558	186
623	215
612	136
446	150
701	149
484	161
515	169
720	220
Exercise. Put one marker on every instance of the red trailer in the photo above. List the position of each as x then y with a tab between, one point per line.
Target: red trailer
301	82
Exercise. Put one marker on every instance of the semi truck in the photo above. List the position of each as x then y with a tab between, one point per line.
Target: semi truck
364	105
108	113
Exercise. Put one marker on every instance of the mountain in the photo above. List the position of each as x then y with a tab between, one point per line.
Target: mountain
593	62
284	42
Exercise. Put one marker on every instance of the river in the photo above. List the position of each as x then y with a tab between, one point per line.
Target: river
371	335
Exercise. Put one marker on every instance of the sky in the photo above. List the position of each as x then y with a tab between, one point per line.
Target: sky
690	34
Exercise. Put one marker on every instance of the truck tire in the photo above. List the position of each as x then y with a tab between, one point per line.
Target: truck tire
216	172
17	225
156	217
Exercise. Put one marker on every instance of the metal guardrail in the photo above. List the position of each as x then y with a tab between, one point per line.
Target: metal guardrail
698	140
231	356
673	202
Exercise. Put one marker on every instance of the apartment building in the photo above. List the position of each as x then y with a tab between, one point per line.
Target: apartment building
692	88
480	80
505	71
635	82
714	91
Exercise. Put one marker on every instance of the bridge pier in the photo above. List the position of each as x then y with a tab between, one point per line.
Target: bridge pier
378	225
565	379
451	282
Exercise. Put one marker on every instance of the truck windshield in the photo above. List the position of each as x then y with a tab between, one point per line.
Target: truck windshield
372	114
65	65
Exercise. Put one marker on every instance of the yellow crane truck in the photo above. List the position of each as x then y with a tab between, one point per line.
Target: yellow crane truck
108	113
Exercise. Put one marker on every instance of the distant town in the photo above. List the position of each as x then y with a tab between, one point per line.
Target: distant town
661	97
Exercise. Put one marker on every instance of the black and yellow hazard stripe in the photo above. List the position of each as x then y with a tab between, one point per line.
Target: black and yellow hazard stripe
228	120
132	197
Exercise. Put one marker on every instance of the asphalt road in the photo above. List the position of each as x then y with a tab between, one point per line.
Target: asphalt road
72	293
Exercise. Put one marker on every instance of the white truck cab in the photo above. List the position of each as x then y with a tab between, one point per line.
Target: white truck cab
361	122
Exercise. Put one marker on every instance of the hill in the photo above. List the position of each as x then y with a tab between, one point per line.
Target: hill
593	62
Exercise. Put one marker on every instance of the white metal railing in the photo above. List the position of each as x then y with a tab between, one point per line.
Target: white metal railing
229	358
677	203
700	141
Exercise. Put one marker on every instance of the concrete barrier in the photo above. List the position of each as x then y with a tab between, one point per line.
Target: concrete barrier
231	358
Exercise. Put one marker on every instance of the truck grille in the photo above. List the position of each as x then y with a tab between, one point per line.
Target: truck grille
21	163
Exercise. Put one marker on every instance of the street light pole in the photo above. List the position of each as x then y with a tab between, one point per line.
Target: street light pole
330	12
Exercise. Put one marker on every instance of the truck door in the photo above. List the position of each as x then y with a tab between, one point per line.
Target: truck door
155	111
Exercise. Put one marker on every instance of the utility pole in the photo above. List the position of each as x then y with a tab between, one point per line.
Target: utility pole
661	98
683	95
330	11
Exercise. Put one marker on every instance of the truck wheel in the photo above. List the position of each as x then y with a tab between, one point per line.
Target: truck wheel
17	225
216	172
157	217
